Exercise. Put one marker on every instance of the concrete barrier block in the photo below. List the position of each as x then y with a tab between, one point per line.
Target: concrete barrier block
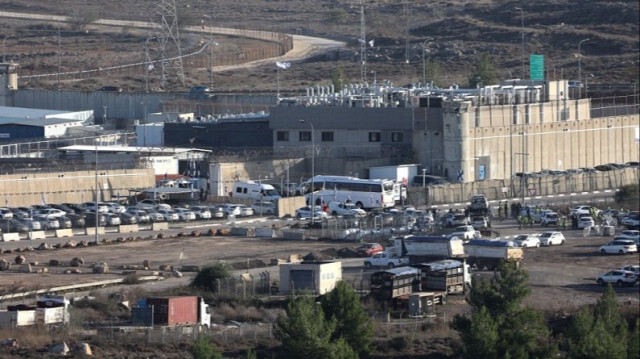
37	235
159	226
8	237
127	228
64	233
265	232
293	235
240	231
92	230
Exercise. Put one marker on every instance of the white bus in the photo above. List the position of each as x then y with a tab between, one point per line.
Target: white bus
364	193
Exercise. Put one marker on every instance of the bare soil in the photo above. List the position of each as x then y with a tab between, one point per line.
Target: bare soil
453	34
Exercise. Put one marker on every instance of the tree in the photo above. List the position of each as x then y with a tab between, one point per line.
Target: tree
497	304
343	306
628	196
599	333
432	71
338	77
305	333
633	348
208	277
484	73
203	349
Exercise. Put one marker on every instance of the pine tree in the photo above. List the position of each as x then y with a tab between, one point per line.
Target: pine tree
484	73
633	348
343	305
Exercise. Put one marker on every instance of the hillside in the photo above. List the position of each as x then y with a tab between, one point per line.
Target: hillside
453	34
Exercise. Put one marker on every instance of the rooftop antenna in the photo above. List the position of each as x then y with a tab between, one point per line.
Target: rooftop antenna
363	45
168	37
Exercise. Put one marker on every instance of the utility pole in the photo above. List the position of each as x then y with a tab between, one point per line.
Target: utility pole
522	35
363	45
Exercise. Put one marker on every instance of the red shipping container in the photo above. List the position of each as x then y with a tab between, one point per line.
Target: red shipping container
173	311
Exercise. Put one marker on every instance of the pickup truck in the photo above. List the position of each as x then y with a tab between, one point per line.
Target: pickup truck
384	259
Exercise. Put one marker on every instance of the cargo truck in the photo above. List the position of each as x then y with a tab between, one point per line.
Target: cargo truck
171	311
448	275
395	282
47	311
488	253
426	248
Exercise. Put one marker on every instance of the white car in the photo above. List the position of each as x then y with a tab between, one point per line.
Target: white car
31	223
115	208
549	218
629	234
479	222
231	209
141	215
466	233
618	277
619	246
5	213
305	213
52	213
217	212
551	238
155	216
91	207
185	214
585	222
113	219
201	212
528	240
632	268
580	210
47	223
169	215
245	211
264	208
345	209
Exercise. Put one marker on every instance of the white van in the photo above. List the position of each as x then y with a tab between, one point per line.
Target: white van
255	191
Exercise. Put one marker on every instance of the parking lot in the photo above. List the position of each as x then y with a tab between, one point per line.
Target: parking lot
560	276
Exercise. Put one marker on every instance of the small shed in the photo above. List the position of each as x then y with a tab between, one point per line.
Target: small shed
318	277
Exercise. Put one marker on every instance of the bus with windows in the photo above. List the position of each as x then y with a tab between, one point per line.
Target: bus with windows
364	193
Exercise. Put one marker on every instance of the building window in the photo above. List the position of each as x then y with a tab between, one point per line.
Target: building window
397	137
374	136
282	135
327	137
305	136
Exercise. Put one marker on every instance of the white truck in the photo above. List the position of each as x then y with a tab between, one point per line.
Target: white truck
385	259
488	253
447	275
255	191
47	311
426	248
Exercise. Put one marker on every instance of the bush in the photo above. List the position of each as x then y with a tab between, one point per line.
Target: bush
208	277
203	348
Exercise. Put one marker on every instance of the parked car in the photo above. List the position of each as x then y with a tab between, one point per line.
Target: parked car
629	234
5	213
479	222
262	208
618	277
453	219
31	223
169	215
20	213
201	212
65	222
549	219
90	219
551	238
369	249
77	220
580	210
305	212
585	222
47	223
155	216
184	214
52	213
245	211
141	215
632	268
619	246
230	209
64	207
148	204
112	219
91	207
127	218
115	207
12	225
217	211
527	240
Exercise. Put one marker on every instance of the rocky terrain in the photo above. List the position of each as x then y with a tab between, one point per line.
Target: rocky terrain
452	34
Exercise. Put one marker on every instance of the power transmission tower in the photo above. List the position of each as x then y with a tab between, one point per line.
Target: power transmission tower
363	45
168	38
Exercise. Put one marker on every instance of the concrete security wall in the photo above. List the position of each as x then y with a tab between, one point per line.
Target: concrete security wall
74	187
544	186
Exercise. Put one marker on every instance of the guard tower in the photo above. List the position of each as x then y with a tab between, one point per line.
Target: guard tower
8	82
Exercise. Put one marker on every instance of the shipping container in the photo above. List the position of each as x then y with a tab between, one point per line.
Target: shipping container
173	311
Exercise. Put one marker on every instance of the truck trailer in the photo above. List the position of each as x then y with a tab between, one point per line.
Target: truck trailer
426	248
392	283
489	253
47	311
171	311
448	275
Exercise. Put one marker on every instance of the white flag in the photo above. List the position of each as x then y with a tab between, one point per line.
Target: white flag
150	67
371	43
283	65
44	202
